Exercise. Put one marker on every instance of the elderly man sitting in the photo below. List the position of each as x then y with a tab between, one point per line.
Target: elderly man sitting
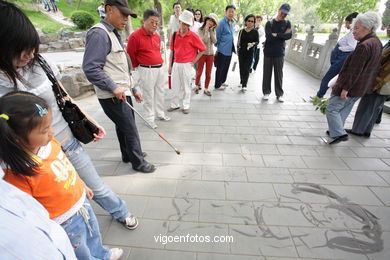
357	76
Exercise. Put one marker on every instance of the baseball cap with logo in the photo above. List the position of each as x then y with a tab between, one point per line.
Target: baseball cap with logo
285	8
122	5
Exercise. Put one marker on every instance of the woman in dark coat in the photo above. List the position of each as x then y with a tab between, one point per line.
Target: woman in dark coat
248	38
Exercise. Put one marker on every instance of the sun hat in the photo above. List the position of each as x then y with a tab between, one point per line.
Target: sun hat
187	17
213	17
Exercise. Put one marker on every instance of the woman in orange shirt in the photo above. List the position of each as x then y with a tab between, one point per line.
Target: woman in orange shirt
34	162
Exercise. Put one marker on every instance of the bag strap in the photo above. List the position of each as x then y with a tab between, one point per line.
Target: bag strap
59	93
239	39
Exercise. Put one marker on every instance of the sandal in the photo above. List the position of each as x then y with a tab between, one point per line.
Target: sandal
207	93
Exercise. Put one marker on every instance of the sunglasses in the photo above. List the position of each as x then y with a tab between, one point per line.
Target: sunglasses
250	21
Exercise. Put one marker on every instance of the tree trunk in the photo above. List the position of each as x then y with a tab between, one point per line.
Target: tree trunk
128	29
339	25
78	4
158	7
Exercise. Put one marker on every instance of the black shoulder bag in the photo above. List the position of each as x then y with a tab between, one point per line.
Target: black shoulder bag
81	127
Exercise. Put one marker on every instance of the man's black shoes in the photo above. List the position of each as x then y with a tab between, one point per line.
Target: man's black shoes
146	168
339	139
349	131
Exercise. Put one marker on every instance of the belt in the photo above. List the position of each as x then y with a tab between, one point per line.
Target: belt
151	66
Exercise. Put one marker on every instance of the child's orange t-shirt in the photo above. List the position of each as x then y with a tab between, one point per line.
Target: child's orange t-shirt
57	186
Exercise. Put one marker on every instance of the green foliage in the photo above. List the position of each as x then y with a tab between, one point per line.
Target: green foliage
43	22
82	19
336	10
320	103
67	8
386	15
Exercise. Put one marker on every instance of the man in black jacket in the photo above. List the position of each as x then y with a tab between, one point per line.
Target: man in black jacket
277	31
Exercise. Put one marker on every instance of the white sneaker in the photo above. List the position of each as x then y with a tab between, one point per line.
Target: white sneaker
130	222
152	124
266	97
164	118
281	99
116	253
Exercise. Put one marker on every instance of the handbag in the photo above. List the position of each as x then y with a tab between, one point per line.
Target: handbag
82	128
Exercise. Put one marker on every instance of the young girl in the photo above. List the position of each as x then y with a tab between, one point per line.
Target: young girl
34	162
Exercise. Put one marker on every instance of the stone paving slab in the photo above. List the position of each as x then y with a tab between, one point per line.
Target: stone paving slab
256	170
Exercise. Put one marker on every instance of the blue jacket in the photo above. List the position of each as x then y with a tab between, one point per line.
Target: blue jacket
225	37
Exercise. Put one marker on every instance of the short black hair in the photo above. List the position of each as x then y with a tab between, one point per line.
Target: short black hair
230	6
150	12
351	16
177	3
250	16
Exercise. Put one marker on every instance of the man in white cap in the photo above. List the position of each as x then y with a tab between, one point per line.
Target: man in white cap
186	49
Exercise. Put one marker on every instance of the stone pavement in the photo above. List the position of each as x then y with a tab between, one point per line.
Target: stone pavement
257	171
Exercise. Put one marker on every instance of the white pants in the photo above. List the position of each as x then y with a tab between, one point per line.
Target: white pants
181	85
151	81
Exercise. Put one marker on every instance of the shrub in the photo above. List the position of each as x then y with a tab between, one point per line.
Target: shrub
82	19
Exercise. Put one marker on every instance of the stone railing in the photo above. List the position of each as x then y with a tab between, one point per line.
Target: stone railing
309	56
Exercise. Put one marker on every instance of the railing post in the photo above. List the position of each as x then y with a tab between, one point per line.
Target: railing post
323	60
290	43
308	41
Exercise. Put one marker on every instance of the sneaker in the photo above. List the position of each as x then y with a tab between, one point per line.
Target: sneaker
243	88
164	118
280	99
171	109
151	124
130	222
116	253
207	93
266	97
146	168
221	87
186	111
225	85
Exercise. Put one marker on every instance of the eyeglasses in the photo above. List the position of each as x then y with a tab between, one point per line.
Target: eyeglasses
250	21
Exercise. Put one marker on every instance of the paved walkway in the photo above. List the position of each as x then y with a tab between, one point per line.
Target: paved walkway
257	171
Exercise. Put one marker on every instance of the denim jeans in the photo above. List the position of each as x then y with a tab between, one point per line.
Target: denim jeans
84	235
337	112
103	195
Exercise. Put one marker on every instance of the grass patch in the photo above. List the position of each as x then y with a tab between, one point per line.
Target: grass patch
43	22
